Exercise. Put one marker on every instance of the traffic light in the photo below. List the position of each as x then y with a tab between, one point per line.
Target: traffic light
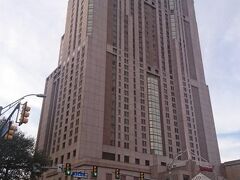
11	131
94	171
36	168
68	169
117	173
141	175
24	114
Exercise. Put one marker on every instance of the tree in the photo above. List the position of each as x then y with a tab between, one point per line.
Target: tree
18	156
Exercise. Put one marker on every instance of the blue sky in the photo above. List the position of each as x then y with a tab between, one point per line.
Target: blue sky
30	33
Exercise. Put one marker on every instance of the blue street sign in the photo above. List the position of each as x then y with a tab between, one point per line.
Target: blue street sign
80	174
4	128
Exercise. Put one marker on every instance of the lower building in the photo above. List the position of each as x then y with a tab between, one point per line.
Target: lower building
231	170
105	170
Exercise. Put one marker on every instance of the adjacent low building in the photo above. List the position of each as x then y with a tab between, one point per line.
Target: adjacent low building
231	170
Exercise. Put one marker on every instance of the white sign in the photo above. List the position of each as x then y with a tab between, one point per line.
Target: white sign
201	176
60	168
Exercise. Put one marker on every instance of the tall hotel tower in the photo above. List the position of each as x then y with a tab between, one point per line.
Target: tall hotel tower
129	91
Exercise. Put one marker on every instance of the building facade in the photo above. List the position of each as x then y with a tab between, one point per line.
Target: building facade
231	170
129	91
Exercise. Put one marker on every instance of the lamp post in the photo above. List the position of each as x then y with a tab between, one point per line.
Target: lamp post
9	106
171	164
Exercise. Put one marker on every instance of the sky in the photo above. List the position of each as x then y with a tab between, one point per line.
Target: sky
30	33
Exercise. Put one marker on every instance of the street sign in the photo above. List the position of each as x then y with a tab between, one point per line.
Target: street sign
1	108
4	128
37	168
80	174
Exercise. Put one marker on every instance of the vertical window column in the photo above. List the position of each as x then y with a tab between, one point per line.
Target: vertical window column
90	17
156	144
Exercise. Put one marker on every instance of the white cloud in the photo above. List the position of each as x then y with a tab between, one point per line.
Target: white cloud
229	148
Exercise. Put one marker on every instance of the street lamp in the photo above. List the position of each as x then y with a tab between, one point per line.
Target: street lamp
41	95
9	106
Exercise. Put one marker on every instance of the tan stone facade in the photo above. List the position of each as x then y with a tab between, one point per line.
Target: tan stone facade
231	170
129	91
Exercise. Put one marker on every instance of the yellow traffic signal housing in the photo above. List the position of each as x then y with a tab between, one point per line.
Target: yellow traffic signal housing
24	114
141	175
117	173
11	131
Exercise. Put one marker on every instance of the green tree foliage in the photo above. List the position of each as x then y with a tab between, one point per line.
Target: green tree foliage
18	156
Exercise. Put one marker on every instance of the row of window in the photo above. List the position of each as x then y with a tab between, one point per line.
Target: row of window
63	158
71	113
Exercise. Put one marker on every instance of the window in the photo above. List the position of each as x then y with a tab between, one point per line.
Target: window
137	161
186	177
123	177
108	156
74	153
163	164
108	176
126	159
154	115
62	158
70	142
147	163
75	139
144	151
56	160
90	17
126	145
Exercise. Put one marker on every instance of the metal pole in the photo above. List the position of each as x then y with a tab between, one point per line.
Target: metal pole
17	101
1	120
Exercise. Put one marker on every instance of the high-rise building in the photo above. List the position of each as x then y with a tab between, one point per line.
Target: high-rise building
129	91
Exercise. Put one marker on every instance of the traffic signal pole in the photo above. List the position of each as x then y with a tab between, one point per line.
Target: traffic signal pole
9	106
5	123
